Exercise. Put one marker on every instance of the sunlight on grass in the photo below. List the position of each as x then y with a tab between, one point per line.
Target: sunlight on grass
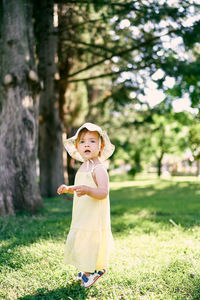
156	226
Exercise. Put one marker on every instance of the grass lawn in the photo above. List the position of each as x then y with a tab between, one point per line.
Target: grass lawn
156	226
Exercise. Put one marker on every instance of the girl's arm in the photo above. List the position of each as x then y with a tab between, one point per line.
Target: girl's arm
102	189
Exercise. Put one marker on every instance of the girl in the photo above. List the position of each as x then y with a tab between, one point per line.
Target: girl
90	239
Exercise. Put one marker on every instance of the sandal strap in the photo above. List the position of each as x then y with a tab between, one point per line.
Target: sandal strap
92	278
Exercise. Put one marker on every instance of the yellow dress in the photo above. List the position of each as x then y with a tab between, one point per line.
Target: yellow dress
90	239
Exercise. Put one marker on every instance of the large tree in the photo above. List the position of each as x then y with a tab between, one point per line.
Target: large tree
19	88
50	130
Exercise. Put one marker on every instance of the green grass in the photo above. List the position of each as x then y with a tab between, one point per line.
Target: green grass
156	226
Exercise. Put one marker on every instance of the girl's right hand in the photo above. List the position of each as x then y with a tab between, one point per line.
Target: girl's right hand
65	189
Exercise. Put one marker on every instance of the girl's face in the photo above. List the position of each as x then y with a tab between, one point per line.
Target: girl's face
88	144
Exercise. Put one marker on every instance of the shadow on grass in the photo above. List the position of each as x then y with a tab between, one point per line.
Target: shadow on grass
51	223
142	207
71	291
160	203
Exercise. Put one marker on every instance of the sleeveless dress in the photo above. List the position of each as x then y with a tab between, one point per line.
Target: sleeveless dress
90	239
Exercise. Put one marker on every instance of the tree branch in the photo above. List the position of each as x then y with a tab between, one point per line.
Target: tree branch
89	21
94	2
92	45
94	77
106	75
121	53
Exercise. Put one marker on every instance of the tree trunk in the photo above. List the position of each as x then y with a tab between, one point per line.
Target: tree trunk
66	58
72	164
93	97
198	167
160	164
19	88
137	158
50	136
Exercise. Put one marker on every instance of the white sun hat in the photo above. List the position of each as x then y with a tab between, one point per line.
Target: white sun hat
106	152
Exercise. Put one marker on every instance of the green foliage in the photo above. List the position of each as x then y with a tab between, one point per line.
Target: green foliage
192	35
194	140
145	135
126	42
132	171
129	42
156	231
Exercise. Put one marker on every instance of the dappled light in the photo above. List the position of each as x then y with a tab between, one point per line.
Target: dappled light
155	223
155	201
130	70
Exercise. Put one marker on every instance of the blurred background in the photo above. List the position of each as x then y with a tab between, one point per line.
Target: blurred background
131	67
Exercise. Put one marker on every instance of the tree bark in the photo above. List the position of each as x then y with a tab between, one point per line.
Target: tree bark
66	60
50	132
19	88
93	96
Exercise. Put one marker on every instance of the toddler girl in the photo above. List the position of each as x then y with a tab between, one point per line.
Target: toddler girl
90	239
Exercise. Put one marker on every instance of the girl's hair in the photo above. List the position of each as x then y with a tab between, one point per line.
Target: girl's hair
84	130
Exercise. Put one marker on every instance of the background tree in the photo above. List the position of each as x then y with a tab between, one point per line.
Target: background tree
194	143
72	96
168	137
19	88
50	131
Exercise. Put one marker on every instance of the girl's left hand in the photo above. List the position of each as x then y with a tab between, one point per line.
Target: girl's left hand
81	190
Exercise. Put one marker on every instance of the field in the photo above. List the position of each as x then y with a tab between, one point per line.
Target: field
156	227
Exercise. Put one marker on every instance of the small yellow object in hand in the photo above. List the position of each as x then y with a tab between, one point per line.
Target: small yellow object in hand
64	189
